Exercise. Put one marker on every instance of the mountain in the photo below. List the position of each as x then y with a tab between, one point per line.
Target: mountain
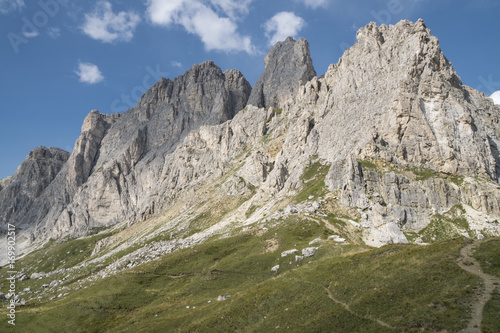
387	147
113	173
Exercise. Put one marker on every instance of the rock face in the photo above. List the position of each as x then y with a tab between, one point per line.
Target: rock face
400	138
115	170
287	66
18	192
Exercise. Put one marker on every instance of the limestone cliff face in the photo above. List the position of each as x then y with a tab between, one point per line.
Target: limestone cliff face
287	66
394	97
114	171
34	175
402	137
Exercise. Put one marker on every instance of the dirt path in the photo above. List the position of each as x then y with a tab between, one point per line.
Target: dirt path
467	262
380	322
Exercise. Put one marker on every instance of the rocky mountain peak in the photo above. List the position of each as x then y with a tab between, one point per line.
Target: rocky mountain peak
287	65
33	176
204	92
44	153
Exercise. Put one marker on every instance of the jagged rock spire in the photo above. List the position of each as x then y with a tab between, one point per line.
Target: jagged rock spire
287	66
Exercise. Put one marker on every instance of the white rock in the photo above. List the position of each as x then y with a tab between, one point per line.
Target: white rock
284	254
316	240
337	239
354	223
223	297
309	251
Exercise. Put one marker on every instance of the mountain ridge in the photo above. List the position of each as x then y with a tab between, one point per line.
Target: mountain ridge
391	108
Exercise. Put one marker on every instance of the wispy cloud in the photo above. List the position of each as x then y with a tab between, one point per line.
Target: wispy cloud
496	97
54	32
7	6
213	21
283	25
233	8
89	73
315	3
176	64
104	25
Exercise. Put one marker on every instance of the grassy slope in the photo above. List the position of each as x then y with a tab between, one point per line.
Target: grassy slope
60	255
406	286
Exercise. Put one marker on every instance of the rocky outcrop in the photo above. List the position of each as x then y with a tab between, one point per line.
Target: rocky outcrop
28	183
85	152
394	97
287	66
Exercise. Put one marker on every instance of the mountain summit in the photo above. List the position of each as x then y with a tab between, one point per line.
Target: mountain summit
287	66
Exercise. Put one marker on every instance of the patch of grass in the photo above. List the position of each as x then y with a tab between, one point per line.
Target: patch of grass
59	255
367	164
423	173
251	210
488	255
420	173
278	111
419	304
457	180
96	230
491	311
447	226
439	230
200	222
332	218
411	236
314	181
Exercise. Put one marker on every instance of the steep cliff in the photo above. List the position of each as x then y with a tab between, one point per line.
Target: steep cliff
114	171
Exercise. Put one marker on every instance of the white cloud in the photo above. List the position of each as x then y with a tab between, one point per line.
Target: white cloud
30	34
496	97
315	3
176	64
104	25
214	21
7	6
283	25
89	73
54	32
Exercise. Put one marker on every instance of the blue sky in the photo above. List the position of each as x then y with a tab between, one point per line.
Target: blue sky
60	59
